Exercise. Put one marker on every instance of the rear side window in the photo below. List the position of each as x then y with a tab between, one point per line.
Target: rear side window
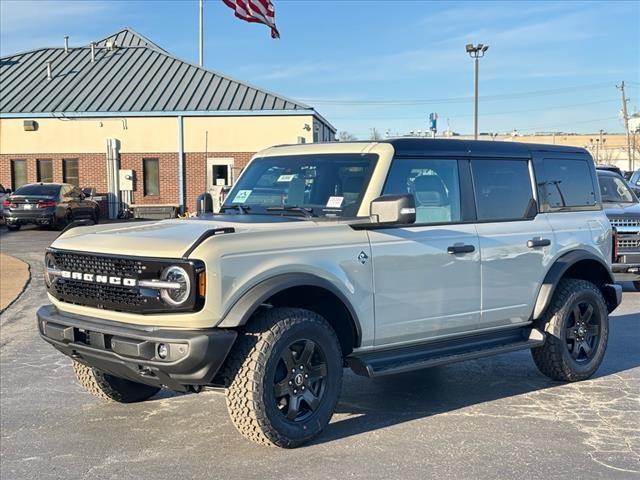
502	189
568	183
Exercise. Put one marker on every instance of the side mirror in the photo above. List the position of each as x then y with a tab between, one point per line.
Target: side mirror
89	192
205	204
393	209
9	192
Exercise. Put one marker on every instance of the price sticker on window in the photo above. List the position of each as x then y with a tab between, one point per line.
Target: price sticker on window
335	202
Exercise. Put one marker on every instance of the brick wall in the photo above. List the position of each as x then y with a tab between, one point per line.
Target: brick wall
92	172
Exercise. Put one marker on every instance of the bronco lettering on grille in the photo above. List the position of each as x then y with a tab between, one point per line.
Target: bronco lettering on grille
91	278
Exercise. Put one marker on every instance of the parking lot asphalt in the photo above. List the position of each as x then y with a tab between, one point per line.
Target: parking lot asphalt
496	417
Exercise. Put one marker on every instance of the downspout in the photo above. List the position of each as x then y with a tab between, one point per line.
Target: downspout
181	193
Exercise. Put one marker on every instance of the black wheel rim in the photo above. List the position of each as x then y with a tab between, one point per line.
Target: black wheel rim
583	331
300	380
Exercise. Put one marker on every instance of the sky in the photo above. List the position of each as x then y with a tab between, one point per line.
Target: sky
550	66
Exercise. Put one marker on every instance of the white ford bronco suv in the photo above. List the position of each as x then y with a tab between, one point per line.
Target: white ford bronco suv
381	256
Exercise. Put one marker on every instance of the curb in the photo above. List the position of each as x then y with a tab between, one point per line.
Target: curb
24	287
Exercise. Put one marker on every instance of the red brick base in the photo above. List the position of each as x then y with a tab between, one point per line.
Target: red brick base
92	171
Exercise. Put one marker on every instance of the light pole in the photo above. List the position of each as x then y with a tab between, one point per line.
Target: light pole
476	52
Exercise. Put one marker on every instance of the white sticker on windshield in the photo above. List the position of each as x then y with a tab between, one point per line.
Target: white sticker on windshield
242	196
335	202
286	178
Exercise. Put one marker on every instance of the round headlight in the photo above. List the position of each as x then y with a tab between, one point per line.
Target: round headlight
49	264
176	296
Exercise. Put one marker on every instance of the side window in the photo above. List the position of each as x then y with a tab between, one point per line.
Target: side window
70	171
502	189
18	174
434	184
151	175
568	183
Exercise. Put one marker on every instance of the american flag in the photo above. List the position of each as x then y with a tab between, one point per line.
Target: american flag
256	11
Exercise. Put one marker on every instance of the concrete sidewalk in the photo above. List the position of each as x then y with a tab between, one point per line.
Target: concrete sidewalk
14	275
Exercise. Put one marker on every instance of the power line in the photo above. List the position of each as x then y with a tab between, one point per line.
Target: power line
437	101
422	117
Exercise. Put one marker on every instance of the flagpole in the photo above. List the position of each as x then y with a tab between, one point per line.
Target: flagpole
201	35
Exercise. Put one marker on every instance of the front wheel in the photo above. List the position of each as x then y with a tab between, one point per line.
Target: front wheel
110	388
285	376
577	326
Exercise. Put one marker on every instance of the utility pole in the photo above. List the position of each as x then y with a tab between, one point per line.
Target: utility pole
201	35
626	124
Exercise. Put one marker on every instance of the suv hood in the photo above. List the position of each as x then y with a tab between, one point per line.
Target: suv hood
622	209
166	238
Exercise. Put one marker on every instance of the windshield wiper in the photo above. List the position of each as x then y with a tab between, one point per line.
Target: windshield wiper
307	212
243	209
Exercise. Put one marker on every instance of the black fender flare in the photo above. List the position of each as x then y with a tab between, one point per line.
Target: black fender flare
242	310
557	271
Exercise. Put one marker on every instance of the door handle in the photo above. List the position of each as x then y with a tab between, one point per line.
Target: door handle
456	249
538	242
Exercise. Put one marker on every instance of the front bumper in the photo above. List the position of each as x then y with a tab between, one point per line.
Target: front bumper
627	268
44	216
131	352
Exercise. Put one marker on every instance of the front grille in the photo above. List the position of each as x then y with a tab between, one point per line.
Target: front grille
116	297
628	243
625	222
98	264
104	296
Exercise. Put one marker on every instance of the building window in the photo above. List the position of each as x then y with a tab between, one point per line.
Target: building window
44	170
70	172
18	173
151	174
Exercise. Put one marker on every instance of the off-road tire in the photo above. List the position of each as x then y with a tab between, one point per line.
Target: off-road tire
110	388
13	228
553	358
251	368
636	285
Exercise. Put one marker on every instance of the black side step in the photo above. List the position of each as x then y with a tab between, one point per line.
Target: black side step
414	357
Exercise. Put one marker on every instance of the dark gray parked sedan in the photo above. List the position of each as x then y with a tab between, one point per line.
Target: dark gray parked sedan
48	204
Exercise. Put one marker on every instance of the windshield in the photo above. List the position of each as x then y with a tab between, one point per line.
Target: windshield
615	190
319	185
40	190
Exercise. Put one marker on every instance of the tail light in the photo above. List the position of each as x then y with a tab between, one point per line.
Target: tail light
46	203
6	204
614	250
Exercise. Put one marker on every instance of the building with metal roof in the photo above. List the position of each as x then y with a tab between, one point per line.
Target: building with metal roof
64	110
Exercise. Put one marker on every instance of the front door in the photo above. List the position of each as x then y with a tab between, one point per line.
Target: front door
427	275
219	179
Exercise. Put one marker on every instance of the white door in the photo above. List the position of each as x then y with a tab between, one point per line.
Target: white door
219	179
426	275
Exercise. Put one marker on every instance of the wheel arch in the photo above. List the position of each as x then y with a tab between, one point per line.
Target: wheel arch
579	264
300	290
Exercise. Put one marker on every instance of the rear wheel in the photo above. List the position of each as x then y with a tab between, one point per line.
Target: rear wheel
111	388
577	326
285	376
636	285
95	217
62	223
13	228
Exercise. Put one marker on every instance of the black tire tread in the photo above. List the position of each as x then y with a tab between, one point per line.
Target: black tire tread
549	357
247	363
97	384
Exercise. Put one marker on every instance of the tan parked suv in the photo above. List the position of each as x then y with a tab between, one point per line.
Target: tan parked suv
380	256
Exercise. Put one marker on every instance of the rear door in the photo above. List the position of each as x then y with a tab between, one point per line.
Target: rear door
427	275
516	240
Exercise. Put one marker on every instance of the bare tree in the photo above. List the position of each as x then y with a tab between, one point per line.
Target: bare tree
345	136
375	134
